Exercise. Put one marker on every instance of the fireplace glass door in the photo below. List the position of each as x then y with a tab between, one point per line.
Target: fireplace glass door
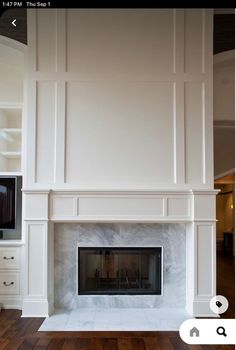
119	270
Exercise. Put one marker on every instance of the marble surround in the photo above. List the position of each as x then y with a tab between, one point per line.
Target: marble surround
114	319
68	236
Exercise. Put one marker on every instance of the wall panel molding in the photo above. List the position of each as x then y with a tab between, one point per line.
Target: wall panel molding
190	34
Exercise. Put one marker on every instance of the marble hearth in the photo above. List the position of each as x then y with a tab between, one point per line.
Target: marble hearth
68	237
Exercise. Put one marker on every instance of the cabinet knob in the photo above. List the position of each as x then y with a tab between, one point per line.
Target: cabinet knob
6	258
8	284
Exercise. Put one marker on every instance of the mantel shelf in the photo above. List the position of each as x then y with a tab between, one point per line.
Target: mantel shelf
11	155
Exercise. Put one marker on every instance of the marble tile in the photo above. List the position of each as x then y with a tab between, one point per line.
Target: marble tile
107	319
55	322
115	320
170	236
82	315
134	319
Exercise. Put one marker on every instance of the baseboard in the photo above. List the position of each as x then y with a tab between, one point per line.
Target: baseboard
201	308
35	308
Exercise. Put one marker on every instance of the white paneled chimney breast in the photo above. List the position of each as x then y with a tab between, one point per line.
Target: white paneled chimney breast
119	154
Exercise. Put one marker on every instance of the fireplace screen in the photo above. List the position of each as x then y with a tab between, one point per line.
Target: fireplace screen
119	270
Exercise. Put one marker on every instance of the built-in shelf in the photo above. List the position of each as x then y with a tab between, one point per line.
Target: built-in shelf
11	130
11	243
10	173
9	133
10	138
11	155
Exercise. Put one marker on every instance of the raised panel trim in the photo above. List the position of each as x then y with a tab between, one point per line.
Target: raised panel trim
44	253
121	206
56	200
211	252
186	212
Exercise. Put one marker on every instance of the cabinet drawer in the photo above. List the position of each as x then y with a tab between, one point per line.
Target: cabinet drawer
9	258
9	283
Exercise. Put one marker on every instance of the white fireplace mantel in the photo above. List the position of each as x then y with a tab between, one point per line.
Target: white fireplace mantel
104	206
150	124
44	207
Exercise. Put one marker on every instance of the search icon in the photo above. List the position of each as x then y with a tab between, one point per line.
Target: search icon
221	331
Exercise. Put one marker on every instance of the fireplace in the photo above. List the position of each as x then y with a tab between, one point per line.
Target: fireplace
119	270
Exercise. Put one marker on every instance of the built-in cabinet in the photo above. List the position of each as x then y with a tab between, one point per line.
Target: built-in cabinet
11	107
10	139
10	276
11	244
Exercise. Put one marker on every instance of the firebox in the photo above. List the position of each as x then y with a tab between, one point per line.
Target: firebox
119	270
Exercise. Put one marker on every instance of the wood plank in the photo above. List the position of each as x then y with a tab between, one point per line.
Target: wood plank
28	343
110	344
42	344
56	344
76	344
178	343
104	344
151	343
165	343
124	344
69	344
83	344
138	344
96	344
98	334
14	344
3	343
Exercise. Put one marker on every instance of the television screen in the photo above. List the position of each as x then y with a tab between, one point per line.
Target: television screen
7	203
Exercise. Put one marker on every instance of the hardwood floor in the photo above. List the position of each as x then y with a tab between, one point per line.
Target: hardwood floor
225	281
18	333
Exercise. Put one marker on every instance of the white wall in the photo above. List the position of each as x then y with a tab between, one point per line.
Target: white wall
224	212
119	99
224	150
224	86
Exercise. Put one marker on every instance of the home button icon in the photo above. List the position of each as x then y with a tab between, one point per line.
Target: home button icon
194	332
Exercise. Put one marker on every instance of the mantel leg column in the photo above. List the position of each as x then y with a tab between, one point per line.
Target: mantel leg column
201	267
38	257
38	297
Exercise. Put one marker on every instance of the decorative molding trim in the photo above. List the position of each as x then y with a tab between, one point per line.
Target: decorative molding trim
121	219
36	191
123	192
11	243
119	206
35	220
205	220
202	192
35	308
